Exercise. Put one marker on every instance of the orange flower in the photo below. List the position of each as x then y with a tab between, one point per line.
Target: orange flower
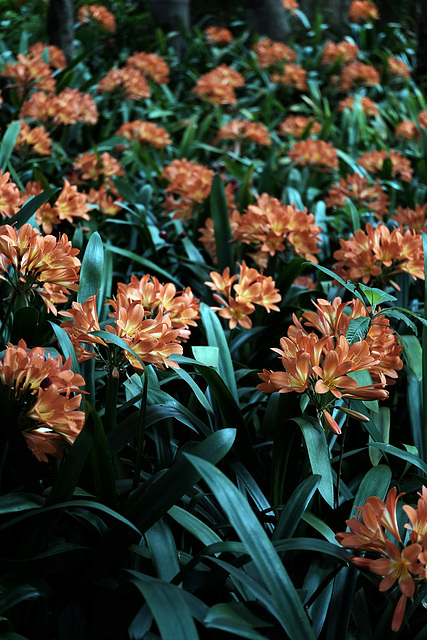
68	107
344	51
106	203
190	183
316	153
29	73
290	5
218	35
400	166
36	138
414	219
56	56
398	68
31	263
357	73
371	197
94	166
271	53
10	198
250	288
293	75
407	129
244	130
145	133
217	86
84	320
422	119
362	11
39	389
418	518
128	80
97	13
299	126
150	65
369	107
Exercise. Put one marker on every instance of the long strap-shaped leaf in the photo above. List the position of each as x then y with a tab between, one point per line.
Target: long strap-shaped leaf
290	611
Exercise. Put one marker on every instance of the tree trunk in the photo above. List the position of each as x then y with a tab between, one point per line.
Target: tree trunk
422	39
60	25
334	13
172	15
269	18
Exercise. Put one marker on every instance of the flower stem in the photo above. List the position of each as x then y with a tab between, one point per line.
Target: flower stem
141	433
111	400
337	494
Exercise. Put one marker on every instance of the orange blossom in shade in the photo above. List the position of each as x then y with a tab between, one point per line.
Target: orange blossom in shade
217	86
36	139
422	119
292	75
414	219
189	183
32	263
97	13
152	339
380	253
128	80
314	153
362	11
400	166
290	5
10	198
68	107
404	564
356	74
274	227
299	126
368	106
29	73
181	307
356	188
151	65
145	133
107	201
242	129
240	293
56	56
270	53
398	68
41	392
94	166
344	51
407	129
218	35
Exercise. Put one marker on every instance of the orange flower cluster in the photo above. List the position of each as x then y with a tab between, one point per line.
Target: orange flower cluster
422	119
290	5
343	51
189	183
56	56
320	366
10	196
400	166
127	80
407	129
182	308
69	205
218	35
145	133
107	200
90	13
414	219
252	289
369	107
314	153
217	86
357	73
242	129
94	166
362	11
68	107
32	263
299	126
40	390
29	73
398	68
36	138
150	65
363	195
403	563
380	253
274	227
293	75
272	53
152	339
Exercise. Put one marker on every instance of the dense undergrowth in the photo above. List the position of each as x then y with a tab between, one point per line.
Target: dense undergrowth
212	318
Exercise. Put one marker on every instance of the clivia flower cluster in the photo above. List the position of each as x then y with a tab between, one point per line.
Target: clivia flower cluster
240	293
42	392
321	366
189	184
402	561
217	86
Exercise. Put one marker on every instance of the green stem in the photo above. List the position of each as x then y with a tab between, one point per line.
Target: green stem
337	494
141	433
8	313
111	400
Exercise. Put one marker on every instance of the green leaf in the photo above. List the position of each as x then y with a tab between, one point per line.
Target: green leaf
375	296
163	551
233	618
13	502
118	342
66	346
424	343
295	507
170	611
206	355
403	455
221	223
318	453
374	483
101	461
290	611
91	269
31	206
394	313
199	529
382	422
151	266
357	329
8	143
